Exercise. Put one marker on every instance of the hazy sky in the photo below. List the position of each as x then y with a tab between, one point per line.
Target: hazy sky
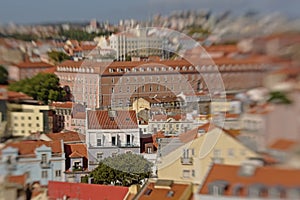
34	11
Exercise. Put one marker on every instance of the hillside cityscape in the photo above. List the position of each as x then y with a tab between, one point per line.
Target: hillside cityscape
189	105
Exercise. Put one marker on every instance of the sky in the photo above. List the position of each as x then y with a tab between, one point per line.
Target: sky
41	11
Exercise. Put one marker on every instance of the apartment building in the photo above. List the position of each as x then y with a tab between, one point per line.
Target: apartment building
25	119
105	85
109	133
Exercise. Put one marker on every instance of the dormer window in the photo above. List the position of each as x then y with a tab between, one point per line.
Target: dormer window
218	187
256	190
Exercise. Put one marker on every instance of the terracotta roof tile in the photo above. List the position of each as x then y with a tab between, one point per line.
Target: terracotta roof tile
19	179
101	120
27	147
268	176
70	136
33	64
62	104
86	191
180	190
76	150
283	144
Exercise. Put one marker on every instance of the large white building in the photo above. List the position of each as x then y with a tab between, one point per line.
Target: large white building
109	133
136	45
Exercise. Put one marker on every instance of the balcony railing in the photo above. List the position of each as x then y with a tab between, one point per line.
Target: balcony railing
77	168
45	164
187	161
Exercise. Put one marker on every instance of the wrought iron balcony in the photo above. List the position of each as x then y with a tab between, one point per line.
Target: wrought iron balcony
186	161
45	164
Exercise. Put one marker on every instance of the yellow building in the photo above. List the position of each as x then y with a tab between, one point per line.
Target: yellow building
191	161
140	104
27	118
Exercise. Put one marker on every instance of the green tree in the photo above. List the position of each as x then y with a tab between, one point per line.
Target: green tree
57	56
3	75
124	169
42	87
279	98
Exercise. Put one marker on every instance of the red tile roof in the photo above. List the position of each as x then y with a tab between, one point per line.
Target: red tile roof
268	176
27	147
12	95
67	137
20	179
33	65
178	190
85	191
62	104
101	120
283	144
76	150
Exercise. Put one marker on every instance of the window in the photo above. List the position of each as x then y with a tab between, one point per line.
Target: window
44	174
29	125
99	142
22	118
128	139
217	153
37	125
44	158
231	152
29	118
149	150
113	141
37	118
22	125
193	173
58	173
186	173
170	193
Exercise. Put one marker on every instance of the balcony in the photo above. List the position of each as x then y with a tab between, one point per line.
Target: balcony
45	164
127	145
77	168
186	161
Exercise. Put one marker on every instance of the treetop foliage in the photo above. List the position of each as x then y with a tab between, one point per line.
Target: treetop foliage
43	87
123	169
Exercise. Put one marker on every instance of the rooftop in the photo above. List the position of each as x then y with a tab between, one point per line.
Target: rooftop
27	147
76	150
112	119
67	137
237	184
85	191
283	144
165	189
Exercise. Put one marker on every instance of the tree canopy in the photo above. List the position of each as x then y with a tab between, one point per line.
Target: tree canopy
42	87
58	56
3	75
124	169
279	98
